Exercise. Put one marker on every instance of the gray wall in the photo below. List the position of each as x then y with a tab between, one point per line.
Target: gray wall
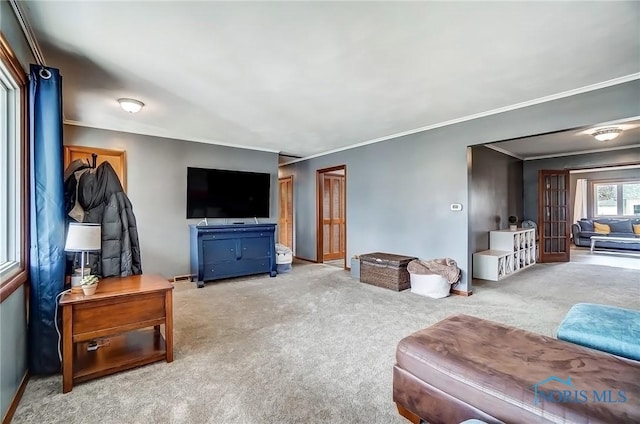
399	191
591	160
495	193
13	313
156	186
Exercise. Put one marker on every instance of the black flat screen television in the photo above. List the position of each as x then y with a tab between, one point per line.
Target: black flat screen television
219	193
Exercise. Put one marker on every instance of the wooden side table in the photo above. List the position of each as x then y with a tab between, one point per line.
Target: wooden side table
124	316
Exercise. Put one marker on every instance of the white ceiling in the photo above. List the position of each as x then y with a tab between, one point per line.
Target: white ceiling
572	142
309	77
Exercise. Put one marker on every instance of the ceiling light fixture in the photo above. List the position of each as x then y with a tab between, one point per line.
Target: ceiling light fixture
131	105
606	134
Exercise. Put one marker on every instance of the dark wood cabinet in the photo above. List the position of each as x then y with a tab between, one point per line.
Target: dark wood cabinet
224	251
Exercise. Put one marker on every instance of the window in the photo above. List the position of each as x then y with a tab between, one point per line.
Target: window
617	198
13	194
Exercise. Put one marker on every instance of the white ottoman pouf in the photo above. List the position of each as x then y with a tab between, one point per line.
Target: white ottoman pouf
430	285
284	258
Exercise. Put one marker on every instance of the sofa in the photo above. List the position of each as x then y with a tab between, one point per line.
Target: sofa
584	229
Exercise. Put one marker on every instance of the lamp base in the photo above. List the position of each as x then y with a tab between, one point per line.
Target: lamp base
76	283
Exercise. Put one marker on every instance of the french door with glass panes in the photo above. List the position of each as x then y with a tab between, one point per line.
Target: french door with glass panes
554	215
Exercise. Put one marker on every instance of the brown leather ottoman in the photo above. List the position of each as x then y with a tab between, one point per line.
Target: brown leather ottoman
465	367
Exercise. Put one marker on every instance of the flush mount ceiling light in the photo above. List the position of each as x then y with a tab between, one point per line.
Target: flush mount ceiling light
606	134
131	105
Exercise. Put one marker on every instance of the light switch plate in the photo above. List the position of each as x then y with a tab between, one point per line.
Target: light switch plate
456	206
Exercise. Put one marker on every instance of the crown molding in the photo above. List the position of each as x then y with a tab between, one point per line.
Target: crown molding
607	168
503	151
25	25
539	100
151	134
583	152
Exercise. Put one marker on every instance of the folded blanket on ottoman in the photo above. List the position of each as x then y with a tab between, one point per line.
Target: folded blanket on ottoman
607	328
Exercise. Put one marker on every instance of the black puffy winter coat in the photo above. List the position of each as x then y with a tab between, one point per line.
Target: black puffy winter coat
104	201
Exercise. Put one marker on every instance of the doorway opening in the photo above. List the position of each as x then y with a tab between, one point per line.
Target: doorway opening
331	234
606	194
505	179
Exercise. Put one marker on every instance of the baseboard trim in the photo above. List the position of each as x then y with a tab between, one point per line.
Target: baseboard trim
462	292
305	259
16	399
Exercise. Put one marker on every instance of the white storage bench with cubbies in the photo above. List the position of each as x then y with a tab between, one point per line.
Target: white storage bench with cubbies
510	251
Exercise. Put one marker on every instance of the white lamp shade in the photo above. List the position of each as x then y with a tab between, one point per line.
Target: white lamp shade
131	105
83	237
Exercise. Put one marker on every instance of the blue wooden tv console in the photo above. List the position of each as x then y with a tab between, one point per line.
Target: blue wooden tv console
224	251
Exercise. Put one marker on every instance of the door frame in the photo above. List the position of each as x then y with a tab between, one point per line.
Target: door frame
319	212
121	155
293	204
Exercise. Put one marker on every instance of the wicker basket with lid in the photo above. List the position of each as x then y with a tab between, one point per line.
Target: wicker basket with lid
385	270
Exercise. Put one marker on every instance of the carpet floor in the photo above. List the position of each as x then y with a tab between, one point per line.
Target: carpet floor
309	346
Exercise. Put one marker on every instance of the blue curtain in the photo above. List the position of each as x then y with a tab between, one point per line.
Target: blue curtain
47	259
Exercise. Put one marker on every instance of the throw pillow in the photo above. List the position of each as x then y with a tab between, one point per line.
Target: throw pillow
586	225
622	226
636	229
601	228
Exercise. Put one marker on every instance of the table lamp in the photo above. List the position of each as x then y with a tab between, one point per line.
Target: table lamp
82	238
